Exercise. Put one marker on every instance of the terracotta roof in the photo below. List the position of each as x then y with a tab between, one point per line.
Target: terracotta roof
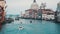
46	9
29	9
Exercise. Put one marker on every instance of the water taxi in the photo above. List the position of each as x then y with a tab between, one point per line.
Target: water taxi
21	28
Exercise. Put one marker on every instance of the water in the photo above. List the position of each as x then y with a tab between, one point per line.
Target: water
36	27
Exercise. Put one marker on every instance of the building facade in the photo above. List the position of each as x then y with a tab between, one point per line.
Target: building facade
33	12
48	14
37	12
57	14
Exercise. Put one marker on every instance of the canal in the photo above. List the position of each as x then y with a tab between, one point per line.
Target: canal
35	27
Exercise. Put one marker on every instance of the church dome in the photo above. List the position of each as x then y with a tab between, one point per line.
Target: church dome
34	6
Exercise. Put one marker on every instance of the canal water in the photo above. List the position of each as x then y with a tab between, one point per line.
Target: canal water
35	27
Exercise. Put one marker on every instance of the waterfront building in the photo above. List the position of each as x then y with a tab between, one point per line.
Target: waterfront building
48	14
33	12
2	10
39	13
23	15
57	14
28	13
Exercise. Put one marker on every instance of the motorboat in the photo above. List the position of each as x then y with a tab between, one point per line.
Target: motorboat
21	28
30	21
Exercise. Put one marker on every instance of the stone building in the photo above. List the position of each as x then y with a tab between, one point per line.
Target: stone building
48	14
37	12
34	11
57	13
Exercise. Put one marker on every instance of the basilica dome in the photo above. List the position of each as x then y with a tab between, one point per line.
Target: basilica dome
34	5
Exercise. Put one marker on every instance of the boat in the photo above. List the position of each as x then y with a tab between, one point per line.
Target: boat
21	28
30	21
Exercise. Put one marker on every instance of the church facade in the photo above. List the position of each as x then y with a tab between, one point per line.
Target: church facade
33	12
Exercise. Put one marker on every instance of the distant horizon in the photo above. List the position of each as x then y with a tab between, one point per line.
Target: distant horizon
18	6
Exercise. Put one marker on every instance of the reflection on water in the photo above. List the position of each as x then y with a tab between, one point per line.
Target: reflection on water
36	27
58	28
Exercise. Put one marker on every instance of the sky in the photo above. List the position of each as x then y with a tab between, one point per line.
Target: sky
18	6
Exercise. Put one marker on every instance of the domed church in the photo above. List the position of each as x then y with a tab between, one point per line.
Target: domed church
34	5
34	12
